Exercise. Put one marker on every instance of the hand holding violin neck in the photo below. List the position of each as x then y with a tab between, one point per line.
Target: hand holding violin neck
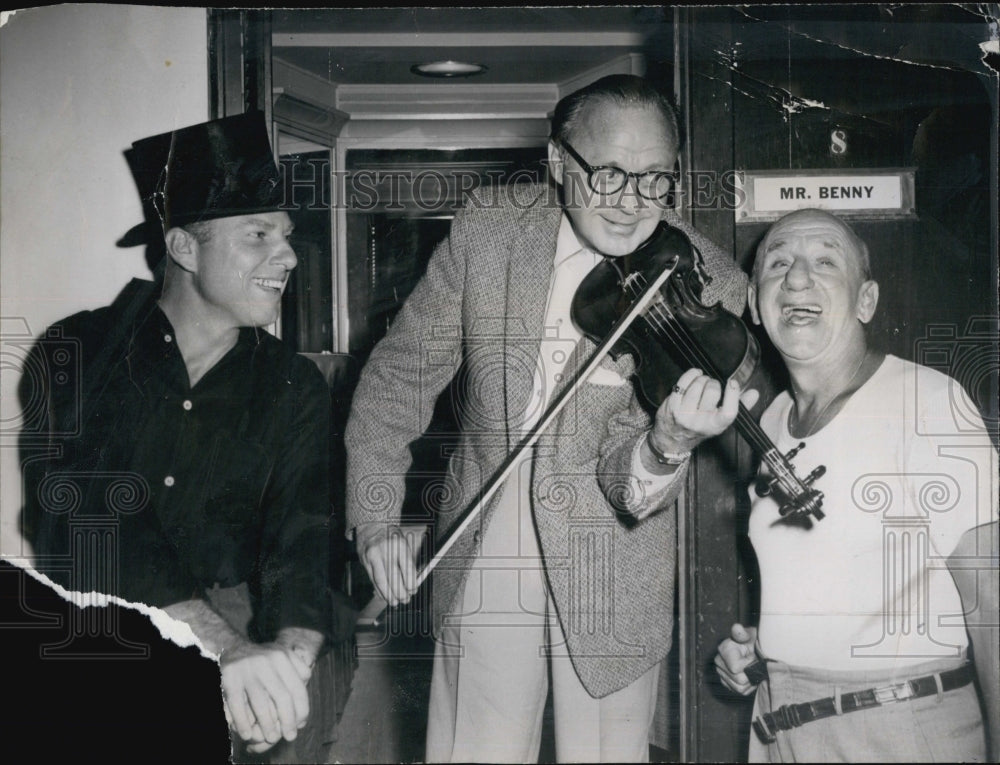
683	351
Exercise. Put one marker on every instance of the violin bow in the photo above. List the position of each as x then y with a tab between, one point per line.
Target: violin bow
371	615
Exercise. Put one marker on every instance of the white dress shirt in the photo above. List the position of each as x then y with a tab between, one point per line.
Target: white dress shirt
572	263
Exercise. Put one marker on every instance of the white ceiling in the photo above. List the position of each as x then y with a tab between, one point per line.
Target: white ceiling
517	45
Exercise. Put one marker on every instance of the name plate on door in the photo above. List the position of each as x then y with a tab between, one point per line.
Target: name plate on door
766	195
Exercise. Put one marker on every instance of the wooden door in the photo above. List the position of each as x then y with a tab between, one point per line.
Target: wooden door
825	87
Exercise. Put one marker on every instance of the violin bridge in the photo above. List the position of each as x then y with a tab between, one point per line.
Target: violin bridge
631	279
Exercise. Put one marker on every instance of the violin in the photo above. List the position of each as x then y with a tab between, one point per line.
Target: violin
649	303
676	332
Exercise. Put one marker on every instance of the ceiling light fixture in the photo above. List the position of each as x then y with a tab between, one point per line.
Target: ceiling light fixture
447	69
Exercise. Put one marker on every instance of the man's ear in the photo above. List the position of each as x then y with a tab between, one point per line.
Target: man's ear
752	302
867	301
182	248
555	162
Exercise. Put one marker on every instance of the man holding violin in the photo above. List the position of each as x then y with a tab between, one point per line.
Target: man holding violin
860	654
569	568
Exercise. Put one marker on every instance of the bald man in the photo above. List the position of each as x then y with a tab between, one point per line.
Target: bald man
861	650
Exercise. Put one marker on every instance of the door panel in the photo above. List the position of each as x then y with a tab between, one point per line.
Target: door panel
788	88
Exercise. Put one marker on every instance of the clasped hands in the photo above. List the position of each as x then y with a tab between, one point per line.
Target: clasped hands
264	687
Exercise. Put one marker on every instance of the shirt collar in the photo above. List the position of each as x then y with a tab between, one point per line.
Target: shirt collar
153	343
567	244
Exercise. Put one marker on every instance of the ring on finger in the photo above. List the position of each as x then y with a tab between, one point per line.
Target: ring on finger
678	389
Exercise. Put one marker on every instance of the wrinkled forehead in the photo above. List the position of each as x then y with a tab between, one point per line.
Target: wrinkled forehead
603	120
812	227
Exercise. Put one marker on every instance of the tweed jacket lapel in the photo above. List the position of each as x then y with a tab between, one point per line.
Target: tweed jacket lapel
530	264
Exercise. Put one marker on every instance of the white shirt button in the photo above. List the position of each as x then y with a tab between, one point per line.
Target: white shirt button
167	338
187	405
168	481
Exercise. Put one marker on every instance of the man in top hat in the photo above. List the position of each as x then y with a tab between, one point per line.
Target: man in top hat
195	447
866	616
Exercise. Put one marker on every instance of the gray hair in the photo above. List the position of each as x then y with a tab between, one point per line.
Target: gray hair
621	90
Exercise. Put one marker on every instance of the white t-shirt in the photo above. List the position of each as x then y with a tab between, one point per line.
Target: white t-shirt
909	468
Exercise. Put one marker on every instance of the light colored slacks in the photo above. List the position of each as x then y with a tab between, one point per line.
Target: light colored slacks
941	728
494	660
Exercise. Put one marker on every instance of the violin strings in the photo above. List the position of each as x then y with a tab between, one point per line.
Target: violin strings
663	321
680	336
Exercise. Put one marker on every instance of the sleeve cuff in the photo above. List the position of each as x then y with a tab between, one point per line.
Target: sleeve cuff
652	482
646	485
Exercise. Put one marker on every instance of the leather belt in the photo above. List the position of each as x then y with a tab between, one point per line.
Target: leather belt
793	715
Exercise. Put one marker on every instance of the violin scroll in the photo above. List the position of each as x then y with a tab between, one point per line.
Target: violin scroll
675	331
802	500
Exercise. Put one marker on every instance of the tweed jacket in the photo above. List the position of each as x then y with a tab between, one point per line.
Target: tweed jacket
609	550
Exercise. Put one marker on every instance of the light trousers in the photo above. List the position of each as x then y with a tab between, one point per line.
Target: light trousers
947	727
494	660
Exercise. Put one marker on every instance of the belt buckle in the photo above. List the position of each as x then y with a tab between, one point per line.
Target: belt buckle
763	731
893	693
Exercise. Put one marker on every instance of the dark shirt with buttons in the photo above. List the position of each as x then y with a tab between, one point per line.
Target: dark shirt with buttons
141	486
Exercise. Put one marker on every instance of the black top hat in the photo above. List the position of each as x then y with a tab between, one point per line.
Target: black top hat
217	169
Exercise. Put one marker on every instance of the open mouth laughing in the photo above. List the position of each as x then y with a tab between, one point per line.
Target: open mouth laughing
269	285
802	313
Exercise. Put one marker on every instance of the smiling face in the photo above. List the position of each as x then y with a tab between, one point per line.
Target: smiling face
810	289
239	273
635	139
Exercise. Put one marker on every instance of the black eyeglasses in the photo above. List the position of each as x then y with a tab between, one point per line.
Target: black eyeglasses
605	179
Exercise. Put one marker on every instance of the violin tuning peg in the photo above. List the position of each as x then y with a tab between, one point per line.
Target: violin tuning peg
814	503
763	487
818	472
791	454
